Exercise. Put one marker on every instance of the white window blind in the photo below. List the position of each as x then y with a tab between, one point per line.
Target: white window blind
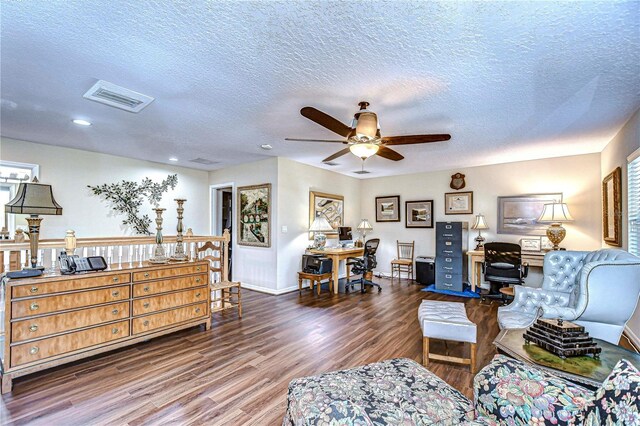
633	179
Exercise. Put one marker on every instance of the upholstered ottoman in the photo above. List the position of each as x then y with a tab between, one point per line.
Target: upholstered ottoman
447	321
393	392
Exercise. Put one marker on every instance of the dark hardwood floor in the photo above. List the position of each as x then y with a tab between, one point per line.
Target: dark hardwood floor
237	373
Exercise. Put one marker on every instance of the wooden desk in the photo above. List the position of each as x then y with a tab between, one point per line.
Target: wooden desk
476	257
338	254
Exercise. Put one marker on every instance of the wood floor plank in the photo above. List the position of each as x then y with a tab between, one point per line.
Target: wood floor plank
237	373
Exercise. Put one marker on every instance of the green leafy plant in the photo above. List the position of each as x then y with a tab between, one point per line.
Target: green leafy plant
127	197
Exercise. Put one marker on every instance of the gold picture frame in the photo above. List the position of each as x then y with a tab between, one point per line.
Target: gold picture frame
612	208
331	206
458	202
254	215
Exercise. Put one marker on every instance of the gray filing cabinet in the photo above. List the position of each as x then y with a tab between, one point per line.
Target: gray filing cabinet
451	255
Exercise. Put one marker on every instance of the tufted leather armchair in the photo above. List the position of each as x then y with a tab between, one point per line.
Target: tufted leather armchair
598	290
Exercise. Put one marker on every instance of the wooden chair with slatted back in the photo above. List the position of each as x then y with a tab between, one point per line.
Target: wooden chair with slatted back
404	261
224	294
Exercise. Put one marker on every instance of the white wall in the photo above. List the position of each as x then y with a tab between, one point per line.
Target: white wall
255	267
295	181
577	177
69	171
615	155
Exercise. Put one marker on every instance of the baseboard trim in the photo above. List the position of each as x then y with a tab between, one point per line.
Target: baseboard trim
632	336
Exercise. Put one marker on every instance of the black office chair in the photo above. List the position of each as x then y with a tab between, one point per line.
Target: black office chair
364	266
502	267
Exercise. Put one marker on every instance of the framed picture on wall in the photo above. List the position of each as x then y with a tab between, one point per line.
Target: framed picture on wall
328	205
388	209
612	208
458	202
518	214
531	244
418	214
254	215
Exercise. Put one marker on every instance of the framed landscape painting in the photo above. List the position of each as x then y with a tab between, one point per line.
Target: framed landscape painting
518	214
254	215
388	209
328	205
418	214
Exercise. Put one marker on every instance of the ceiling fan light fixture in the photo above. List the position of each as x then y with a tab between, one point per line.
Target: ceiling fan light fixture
364	150
367	125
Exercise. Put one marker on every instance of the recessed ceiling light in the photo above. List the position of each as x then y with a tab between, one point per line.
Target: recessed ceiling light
266	146
81	122
173	159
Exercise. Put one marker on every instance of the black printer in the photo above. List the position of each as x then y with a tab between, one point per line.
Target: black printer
316	264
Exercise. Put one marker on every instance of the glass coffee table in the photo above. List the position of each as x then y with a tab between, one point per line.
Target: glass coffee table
584	370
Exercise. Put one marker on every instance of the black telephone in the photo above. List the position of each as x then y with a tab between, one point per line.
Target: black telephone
74	264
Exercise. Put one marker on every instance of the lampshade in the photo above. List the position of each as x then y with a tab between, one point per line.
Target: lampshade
364	226
320	224
367	127
480	223
34	198
364	150
555	212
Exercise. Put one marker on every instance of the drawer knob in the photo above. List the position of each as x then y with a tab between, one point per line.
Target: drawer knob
115	331
146	275
146	305
34	289
197	294
198	280
115	293
33	328
197	268
34	306
197	310
34	350
116	279
146	323
115	312
146	289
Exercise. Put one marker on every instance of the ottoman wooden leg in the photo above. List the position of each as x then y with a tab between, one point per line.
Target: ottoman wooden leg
473	350
299	285
319	284
425	351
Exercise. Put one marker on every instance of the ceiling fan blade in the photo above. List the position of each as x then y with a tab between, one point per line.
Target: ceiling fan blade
413	139
389	154
326	121
336	155
314	140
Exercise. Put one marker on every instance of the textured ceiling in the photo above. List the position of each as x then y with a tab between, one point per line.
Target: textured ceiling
510	81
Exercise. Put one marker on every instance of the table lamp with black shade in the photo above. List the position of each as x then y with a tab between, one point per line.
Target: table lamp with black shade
34	199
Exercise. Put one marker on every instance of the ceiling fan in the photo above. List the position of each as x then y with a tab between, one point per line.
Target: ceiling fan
363	136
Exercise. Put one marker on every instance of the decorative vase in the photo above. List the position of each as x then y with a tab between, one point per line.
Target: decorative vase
159	255
179	254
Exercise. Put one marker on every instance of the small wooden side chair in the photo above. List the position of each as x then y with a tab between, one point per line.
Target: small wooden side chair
404	261
224	294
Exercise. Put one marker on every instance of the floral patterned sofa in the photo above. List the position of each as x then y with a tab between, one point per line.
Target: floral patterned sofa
506	392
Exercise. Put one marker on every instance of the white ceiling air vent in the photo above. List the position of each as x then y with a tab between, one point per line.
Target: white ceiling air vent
203	161
118	97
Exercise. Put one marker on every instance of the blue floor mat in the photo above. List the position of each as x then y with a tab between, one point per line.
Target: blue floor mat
466	293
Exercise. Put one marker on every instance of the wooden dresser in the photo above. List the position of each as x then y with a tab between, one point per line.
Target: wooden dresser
53	319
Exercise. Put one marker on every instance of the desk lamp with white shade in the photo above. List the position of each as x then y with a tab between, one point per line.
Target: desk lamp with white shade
363	227
556	214
319	227
480	224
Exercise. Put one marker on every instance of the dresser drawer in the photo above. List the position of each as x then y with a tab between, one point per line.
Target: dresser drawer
43	305
449	282
163	286
68	285
174	316
169	272
51	324
449	251
158	303
45	348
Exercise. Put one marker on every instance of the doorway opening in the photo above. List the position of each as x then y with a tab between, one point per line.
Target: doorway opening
222	215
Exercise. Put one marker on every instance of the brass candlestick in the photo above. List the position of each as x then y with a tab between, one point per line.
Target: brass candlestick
159	255
179	253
